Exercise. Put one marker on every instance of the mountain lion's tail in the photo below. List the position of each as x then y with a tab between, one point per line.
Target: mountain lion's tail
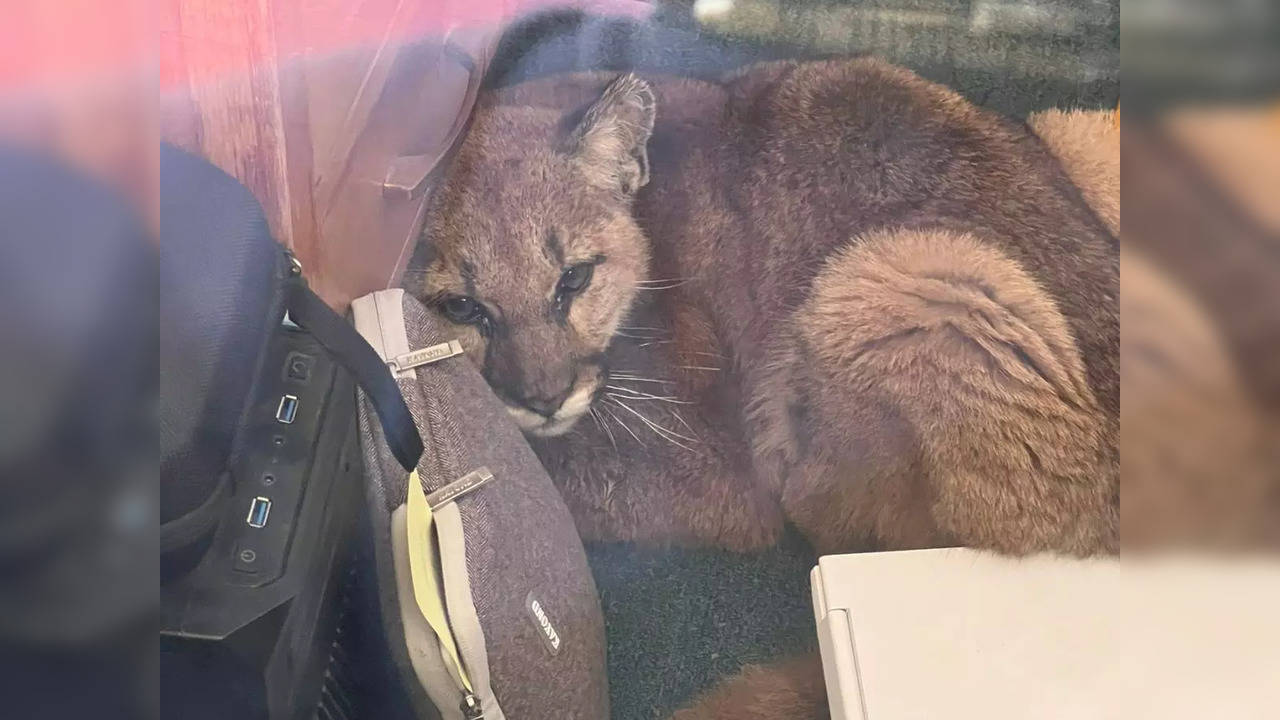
789	690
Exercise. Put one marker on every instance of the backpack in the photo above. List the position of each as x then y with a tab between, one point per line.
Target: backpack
488	604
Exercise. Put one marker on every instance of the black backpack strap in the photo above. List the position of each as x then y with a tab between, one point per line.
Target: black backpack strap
308	311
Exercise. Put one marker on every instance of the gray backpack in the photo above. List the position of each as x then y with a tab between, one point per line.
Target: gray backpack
486	596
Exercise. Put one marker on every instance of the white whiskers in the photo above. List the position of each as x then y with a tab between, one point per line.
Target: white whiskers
605	427
682	422
663	432
636	378
627	393
621	399
624	426
665	284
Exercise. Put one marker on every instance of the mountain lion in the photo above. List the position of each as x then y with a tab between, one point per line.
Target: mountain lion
828	293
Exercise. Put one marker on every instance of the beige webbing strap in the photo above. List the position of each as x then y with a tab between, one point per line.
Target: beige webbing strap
428	586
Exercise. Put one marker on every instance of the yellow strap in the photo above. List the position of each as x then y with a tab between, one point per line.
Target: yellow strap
428	586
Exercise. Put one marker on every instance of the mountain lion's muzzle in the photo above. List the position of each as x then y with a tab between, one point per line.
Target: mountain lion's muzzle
545	384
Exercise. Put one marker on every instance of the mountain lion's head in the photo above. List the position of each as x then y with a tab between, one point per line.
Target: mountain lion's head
530	248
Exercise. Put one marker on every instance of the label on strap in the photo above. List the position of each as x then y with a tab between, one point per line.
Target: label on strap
456	489
425	356
428	585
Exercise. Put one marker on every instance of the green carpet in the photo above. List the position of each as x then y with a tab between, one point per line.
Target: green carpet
679	620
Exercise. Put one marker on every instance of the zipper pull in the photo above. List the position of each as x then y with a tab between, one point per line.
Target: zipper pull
295	276
295	265
470	707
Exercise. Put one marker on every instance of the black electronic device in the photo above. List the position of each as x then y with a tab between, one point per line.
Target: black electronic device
261	477
247	632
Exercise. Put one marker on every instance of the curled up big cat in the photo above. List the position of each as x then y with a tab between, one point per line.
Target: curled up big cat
826	294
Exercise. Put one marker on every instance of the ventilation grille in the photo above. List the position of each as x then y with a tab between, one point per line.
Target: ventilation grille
339	691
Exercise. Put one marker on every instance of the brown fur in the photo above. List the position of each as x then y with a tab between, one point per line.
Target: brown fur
1087	142
1088	145
959	349
792	689
891	317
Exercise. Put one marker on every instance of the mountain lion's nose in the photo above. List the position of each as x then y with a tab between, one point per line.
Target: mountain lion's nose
546	406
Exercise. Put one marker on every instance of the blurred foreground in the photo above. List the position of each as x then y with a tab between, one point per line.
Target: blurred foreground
1200	334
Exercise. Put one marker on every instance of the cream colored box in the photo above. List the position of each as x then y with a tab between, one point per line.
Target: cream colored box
956	634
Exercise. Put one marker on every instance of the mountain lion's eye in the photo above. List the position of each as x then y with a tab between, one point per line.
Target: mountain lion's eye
574	280
462	310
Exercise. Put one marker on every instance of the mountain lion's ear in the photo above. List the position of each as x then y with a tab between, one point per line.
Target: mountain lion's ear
609	143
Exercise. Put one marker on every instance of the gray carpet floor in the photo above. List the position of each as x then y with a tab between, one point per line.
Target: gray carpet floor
677	621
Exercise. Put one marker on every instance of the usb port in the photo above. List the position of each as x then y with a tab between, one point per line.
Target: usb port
288	409
259	509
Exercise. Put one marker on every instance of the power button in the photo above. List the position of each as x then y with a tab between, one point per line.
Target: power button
247	560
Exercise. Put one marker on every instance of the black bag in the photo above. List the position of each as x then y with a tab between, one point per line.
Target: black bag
260	459
221	298
225	288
